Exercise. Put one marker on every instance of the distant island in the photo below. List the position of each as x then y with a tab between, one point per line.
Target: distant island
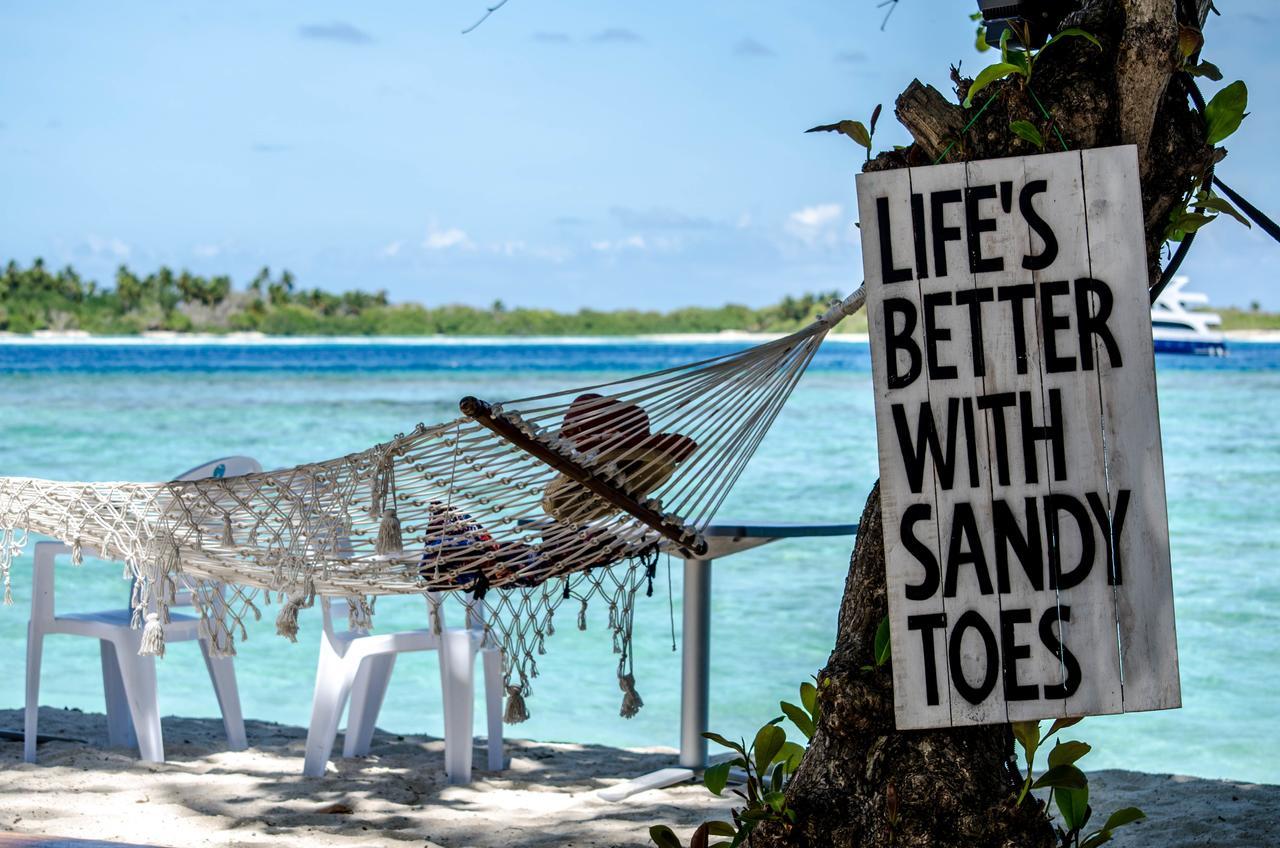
36	299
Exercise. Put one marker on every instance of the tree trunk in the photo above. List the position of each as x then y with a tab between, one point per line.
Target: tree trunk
862	783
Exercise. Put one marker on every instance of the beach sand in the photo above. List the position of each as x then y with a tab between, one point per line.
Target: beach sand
206	796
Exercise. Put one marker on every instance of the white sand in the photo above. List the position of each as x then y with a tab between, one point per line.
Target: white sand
205	796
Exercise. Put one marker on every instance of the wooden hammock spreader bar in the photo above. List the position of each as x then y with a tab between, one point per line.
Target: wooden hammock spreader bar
482	413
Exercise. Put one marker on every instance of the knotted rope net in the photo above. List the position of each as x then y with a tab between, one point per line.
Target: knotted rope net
518	507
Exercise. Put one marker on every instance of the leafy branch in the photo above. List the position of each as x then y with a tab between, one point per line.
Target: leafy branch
1020	63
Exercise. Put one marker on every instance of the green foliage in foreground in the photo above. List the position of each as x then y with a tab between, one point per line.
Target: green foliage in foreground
36	298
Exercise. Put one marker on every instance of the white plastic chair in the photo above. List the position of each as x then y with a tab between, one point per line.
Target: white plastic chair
359	664
128	680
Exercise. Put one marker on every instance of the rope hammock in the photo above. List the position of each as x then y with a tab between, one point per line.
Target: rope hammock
517	507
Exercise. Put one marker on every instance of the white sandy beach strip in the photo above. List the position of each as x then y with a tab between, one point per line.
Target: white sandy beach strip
206	796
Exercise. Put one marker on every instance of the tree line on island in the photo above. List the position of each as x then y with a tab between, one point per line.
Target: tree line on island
36	298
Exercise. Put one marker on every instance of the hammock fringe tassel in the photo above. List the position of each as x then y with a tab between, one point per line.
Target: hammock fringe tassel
516	711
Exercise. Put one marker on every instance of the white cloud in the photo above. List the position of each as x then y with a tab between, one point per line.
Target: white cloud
452	237
113	247
206	251
392	249
816	225
634	242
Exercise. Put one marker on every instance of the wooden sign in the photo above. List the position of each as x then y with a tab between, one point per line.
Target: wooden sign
1022	482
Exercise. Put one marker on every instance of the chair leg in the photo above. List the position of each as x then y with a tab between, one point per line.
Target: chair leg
222	671
333	683
367	694
119	723
138	674
493	707
457	684
35	652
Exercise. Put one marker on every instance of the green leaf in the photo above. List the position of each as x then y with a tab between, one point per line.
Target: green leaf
990	74
721	828
776	778
1221	204
1187	222
1073	32
700	837
791	753
799	718
720	740
1063	724
1028	735
1097	838
715	777
1190	40
875	118
1225	111
1066	753
1062	777
882	642
1207	70
1028	131
768	742
809	698
1004	44
776	801
1074	806
663	836
1121	817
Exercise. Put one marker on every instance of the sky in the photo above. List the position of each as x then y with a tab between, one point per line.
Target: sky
566	153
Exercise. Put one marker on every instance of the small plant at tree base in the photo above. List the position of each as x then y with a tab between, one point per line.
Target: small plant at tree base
767	763
1020	62
856	130
1068	786
1223	115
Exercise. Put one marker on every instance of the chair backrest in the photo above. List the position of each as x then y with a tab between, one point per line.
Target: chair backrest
228	466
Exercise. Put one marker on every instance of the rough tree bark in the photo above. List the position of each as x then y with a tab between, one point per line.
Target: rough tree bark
956	787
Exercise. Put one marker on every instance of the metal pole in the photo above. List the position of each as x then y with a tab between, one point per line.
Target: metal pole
694	683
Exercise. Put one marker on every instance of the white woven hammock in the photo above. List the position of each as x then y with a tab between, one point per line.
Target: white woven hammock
517	507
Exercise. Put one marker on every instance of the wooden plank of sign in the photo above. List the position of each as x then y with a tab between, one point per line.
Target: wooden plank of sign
1090	633
1010	244
977	690
911	702
1130	419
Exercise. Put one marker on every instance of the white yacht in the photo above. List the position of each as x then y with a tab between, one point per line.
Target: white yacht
1177	329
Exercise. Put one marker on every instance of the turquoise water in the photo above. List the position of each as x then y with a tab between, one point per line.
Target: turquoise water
150	412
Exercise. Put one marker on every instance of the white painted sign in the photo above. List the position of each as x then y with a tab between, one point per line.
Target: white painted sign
1022	482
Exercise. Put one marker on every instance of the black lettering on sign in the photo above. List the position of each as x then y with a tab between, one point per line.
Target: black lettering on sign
1025	544
974	694
974	298
1070	664
1092	323
888	273
900	341
965	548
920	237
1053	432
927	439
1017	296
923	553
1011	651
927	624
1112	527
1045	258
1052	323
934	334
997	403
976	225
941	232
1055	504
